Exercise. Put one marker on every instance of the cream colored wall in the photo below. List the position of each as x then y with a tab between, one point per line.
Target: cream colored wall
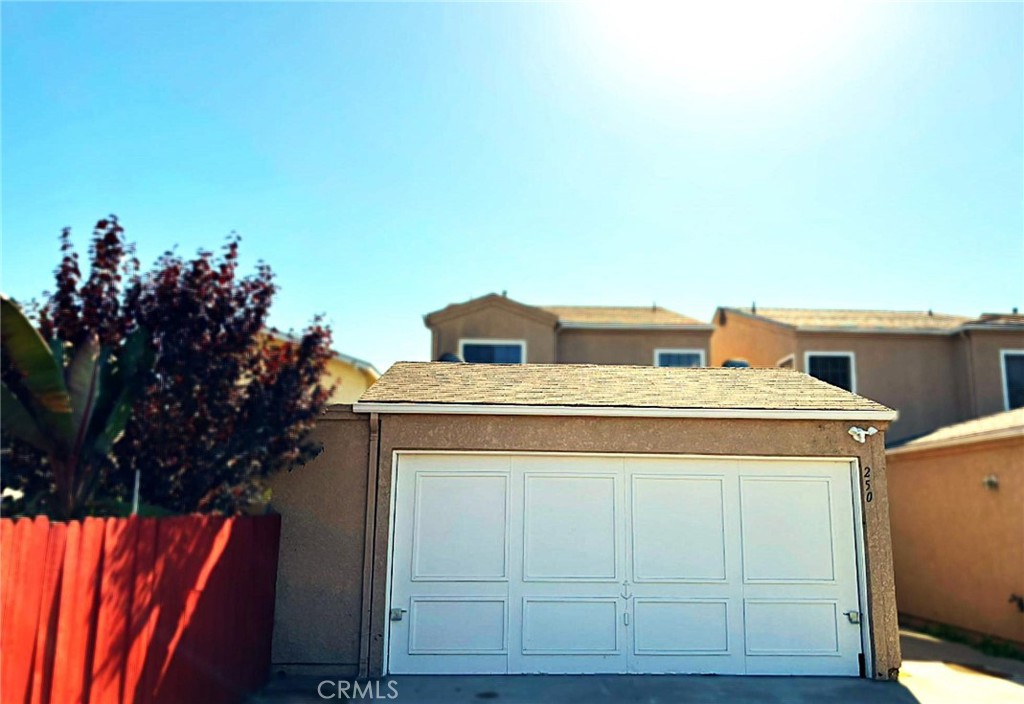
958	547
320	570
915	374
983	349
582	346
761	343
349	381
495	323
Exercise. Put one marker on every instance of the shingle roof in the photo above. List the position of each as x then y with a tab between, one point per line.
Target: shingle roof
619	315
860	319
974	430
589	385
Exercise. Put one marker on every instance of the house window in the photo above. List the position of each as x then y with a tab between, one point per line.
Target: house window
679	358
1013	378
493	351
836	368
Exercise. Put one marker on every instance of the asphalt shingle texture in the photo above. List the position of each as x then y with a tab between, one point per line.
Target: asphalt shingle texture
610	386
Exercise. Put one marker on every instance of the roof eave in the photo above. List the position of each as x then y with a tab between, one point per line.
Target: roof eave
695	327
974	438
887	415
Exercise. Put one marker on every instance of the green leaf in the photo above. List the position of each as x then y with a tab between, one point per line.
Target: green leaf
83	386
117	421
30	354
18	421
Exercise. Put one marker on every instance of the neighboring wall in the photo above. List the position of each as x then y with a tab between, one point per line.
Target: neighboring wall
958	546
915	374
492	322
761	343
320	573
583	346
981	352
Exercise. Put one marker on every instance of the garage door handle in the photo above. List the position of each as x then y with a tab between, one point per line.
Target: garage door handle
853	616
396	614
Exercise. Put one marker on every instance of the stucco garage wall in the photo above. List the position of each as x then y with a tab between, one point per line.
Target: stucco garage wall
580	346
646	435
320	571
911	373
958	546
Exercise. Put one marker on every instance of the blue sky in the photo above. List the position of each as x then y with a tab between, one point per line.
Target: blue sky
389	159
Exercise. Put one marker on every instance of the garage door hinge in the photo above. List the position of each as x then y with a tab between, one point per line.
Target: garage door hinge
625	617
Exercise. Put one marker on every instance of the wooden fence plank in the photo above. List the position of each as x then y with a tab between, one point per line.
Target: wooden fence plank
142	617
113	618
49	613
83	630
18	641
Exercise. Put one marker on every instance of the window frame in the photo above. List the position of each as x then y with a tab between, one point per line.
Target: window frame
833	353
1003	353
680	350
463	341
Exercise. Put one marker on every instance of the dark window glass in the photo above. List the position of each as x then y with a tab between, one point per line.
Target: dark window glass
484	353
678	359
837	371
1013	364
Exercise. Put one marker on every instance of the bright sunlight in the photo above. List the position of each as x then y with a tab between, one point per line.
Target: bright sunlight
722	47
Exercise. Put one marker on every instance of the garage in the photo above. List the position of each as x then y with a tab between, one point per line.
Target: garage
529	518
601	564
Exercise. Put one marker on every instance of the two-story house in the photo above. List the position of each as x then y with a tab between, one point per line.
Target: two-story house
494	328
935	369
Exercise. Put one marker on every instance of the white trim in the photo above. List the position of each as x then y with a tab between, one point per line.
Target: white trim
618	411
696	327
791	357
492	341
832	353
879	331
859	527
1002	369
987	436
679	350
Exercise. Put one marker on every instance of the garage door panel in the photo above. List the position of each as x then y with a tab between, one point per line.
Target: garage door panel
570	530
678	529
461	527
787	529
665	626
578	564
570	626
791	627
458	625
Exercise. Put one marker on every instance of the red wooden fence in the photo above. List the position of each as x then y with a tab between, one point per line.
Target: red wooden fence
136	610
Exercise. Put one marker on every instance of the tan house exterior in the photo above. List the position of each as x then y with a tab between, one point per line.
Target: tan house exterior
934	369
569	334
392	557
348	376
956	502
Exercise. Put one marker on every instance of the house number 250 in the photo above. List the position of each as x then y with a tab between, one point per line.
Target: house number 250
868	494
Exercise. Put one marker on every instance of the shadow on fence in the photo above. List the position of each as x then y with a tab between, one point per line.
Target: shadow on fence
136	610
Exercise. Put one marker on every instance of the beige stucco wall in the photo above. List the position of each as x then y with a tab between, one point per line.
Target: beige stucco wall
985	367
493	322
317	617
958	546
915	374
583	346
761	343
650	435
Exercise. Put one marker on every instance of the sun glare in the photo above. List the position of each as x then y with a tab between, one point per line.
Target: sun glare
721	47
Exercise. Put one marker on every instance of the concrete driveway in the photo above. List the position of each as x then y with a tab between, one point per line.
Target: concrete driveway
933	672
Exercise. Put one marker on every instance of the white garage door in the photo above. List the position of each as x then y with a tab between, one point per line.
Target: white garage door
583	564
